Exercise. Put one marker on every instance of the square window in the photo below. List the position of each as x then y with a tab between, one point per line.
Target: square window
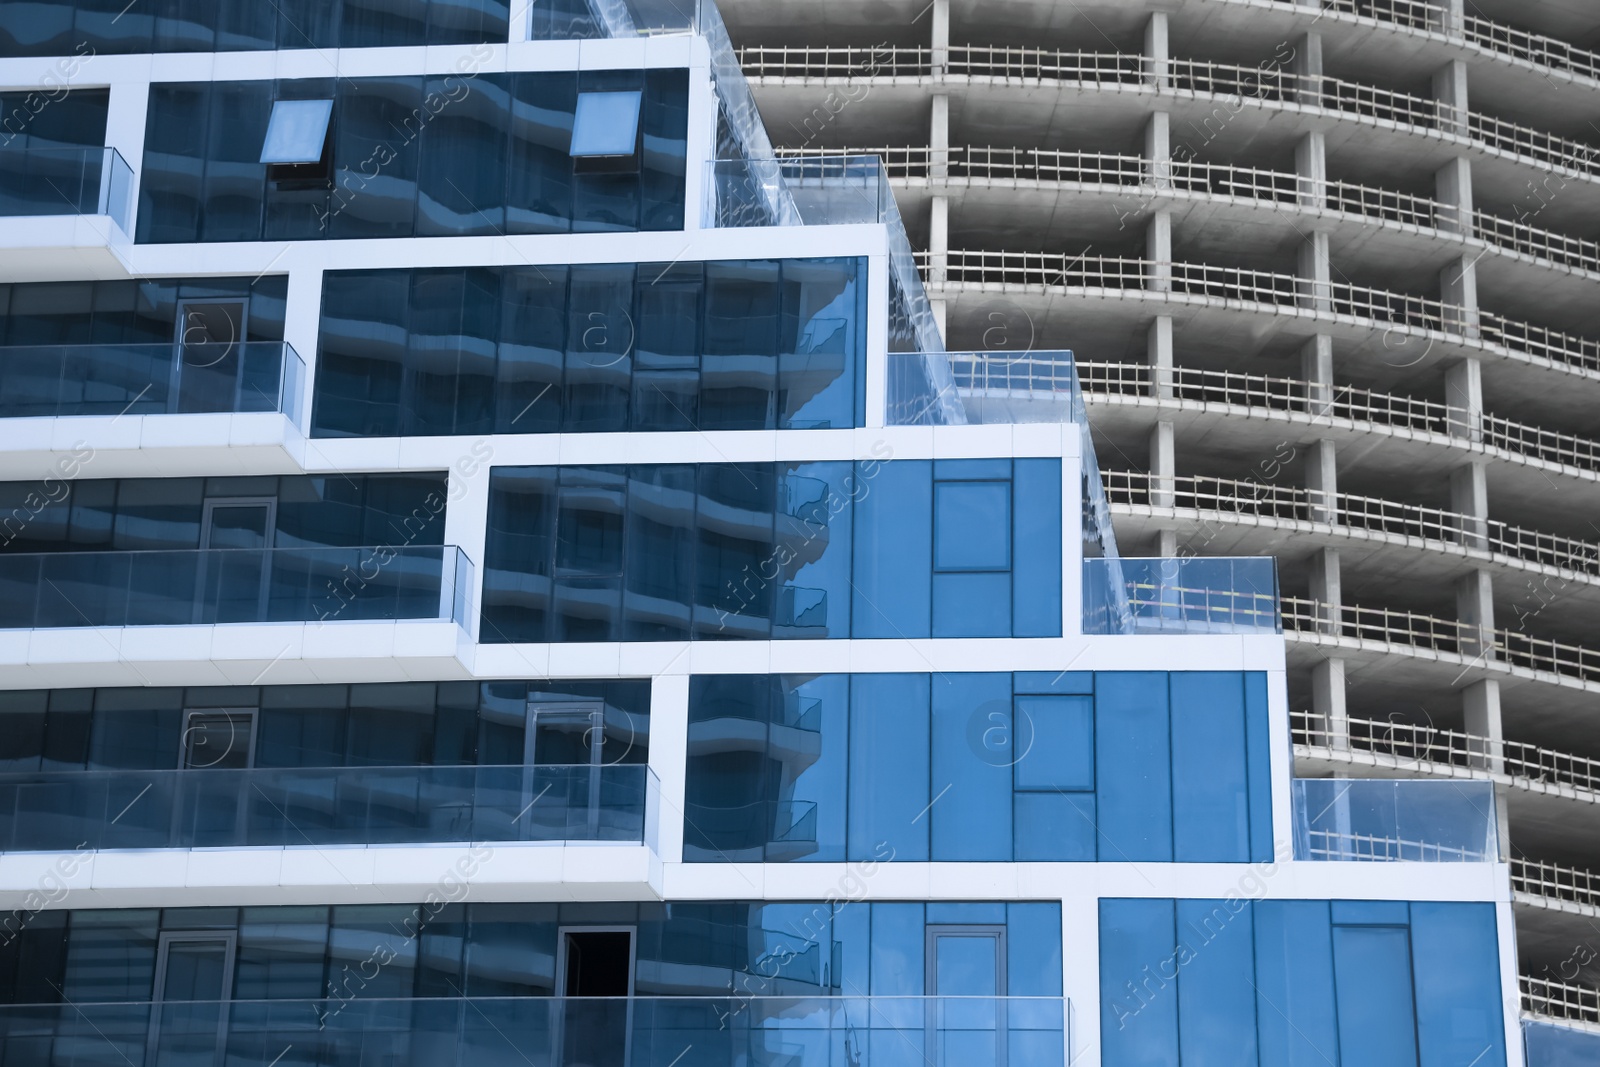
606	124
972	526
297	131
1058	735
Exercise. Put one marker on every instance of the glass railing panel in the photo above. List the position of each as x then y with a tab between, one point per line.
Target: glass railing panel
1548	1045
235	808
66	181
44	381
1191	595
1376	819
209	586
550	1031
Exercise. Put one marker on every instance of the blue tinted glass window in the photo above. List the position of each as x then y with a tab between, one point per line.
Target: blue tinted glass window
893	550
1036	560
974	747
972	526
972	605
1456	955
1372	976
1258	741
1216	988
1138	976
296	131
1132	766
1058	735
1210	787
889	798
1296	1011
606	124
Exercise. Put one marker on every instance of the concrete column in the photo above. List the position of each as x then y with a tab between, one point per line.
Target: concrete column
939	206
1458	288
1448	17
941	36
1311	164
939	137
1158	150
1450	90
1157	56
1322	482
1315	270
1163	466
1307	63
1463	388
1452	185
1316	367
1158	250
1328	703
1158	352
1327	588
1475	611
1469	497
1166	546
1480	707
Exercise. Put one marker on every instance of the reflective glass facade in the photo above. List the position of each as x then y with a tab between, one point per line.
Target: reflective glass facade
1347	983
774	551
458	154
87	27
1118	767
751	345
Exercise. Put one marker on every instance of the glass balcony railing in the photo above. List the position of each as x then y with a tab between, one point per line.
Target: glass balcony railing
208	586
1192	595
1550	1045
67	181
1378	819
542	1031
238	808
150	379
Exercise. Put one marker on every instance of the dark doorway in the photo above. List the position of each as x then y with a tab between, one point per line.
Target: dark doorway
597	982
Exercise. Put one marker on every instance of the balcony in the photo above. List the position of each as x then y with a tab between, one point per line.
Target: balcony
547	1031
211	586
64	211
1192	595
61	811
244	398
1379	820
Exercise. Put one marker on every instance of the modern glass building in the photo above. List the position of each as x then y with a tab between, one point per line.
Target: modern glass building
500	569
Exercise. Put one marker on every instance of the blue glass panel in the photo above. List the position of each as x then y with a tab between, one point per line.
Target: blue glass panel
1295	1008
972	605
812	737
296	131
1216	989
893	550
972	526
898	950
1258	742
606	124
1054	827
1138	973
1210	788
1371	913
813	548
1074	682
1058	735
889	797
974	747
1132	766
1558	1046
819	342
1372	977
1033	950
1456	954
1036	565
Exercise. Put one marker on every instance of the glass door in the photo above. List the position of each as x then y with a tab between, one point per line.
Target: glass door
966	976
214	808
189	1020
564	747
235	572
210	342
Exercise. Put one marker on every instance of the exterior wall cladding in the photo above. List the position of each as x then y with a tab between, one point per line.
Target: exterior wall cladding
500	568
